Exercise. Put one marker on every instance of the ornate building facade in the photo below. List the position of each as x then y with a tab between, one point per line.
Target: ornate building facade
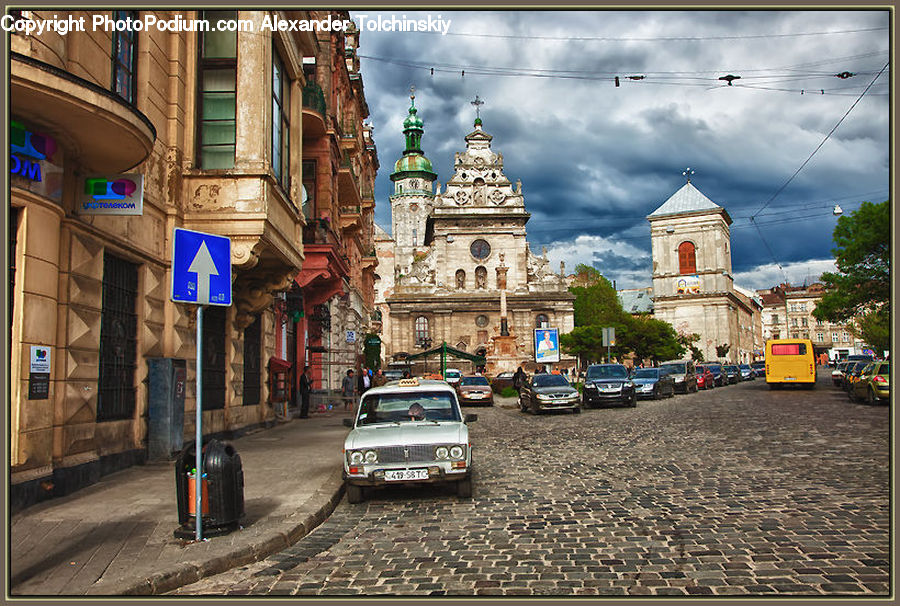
460	259
212	129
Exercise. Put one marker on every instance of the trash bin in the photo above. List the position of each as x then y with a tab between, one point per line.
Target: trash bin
222	489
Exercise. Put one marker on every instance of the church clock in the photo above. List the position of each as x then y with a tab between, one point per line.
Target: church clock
480	249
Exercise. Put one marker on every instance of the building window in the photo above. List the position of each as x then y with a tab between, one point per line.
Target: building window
118	340
124	57
217	80
480	277
834	337
776	335
281	123
774	318
804	322
820	337
802	306
793	321
421	330
415	237
13	228
252	352
687	259
542	321
214	357
845	337
460	279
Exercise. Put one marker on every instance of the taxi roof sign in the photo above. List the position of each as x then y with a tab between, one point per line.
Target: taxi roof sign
409	382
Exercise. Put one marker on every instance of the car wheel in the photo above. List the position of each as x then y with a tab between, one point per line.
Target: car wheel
870	396
695	389
576	410
464	488
354	493
633	402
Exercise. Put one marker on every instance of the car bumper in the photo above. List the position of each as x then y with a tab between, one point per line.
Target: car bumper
557	405
485	401
436	475
605	398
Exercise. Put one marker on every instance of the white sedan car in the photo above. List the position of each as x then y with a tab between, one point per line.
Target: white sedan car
410	431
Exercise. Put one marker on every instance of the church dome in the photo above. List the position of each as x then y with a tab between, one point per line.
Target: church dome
413	163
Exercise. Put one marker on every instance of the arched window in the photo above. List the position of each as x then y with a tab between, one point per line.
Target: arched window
460	279
542	321
480	277
687	261
421	329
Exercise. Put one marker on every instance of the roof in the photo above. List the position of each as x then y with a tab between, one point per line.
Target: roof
688	199
636	301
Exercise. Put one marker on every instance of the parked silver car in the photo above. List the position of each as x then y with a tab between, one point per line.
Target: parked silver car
410	431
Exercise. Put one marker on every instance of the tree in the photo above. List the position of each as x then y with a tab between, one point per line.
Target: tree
722	350
596	303
587	342
874	327
650	338
862	283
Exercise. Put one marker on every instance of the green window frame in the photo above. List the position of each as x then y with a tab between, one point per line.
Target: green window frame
124	58
281	122
217	94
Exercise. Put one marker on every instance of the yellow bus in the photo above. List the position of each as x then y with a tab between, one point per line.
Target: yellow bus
790	362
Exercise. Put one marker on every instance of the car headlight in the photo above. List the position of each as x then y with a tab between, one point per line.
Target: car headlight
679	379
457	452
441	452
590	386
371	456
628	384
543	397
356	457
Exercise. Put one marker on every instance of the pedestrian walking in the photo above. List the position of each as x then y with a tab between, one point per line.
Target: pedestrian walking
348	389
379	379
519	379
305	390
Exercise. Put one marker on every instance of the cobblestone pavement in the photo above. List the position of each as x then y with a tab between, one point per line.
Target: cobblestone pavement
736	491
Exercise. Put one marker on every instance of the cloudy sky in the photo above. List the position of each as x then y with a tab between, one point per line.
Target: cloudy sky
596	159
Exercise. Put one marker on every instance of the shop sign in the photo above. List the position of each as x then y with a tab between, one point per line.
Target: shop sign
39	375
35	161
351	336
113	195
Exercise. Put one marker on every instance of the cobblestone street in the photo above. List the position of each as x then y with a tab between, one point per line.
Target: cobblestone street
739	490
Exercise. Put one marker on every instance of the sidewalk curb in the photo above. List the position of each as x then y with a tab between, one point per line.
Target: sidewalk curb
323	502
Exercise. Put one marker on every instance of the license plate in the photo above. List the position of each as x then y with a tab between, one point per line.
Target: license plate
790	379
611	389
405	475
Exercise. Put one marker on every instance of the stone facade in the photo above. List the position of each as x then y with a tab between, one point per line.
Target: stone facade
693	289
69	265
458	252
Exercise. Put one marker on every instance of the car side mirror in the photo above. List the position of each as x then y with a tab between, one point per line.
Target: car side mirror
470	418
348	422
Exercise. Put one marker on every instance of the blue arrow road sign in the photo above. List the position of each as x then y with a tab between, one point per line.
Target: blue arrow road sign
201	268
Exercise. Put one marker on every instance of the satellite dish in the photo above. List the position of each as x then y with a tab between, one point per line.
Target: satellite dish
303	195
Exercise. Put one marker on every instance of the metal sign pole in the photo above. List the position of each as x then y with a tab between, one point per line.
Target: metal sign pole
198	474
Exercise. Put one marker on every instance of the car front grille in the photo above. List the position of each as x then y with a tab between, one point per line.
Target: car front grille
402	454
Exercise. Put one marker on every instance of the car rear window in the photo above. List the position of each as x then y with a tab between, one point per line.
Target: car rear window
788	349
676	368
646	373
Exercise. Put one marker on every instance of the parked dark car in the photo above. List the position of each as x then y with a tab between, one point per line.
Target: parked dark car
746	372
652	383
548	392
705	378
718	373
837	375
874	384
607	383
684	373
502	381
851	374
732	373
759	368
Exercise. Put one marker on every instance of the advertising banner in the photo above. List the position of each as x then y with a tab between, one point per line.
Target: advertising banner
687	285
546	345
112	195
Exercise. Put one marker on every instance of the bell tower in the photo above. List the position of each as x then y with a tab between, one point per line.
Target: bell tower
413	195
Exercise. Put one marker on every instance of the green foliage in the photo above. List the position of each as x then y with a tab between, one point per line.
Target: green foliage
650	338
862	283
509	392
596	304
874	328
722	350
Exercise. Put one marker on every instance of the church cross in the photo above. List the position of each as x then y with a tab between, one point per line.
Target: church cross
478	102
412	94
687	173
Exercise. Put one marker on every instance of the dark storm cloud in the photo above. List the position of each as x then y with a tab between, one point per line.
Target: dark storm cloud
595	159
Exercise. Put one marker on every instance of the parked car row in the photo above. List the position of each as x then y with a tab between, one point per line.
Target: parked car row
864	380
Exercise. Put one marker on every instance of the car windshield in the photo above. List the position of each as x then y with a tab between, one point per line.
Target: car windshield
884	369
408	407
607	372
676	368
550	381
758	365
745	367
474	381
505	375
452	374
646	373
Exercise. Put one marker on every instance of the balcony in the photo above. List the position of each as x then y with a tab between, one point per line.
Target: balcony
314	109
351	218
368	198
103	131
348	184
